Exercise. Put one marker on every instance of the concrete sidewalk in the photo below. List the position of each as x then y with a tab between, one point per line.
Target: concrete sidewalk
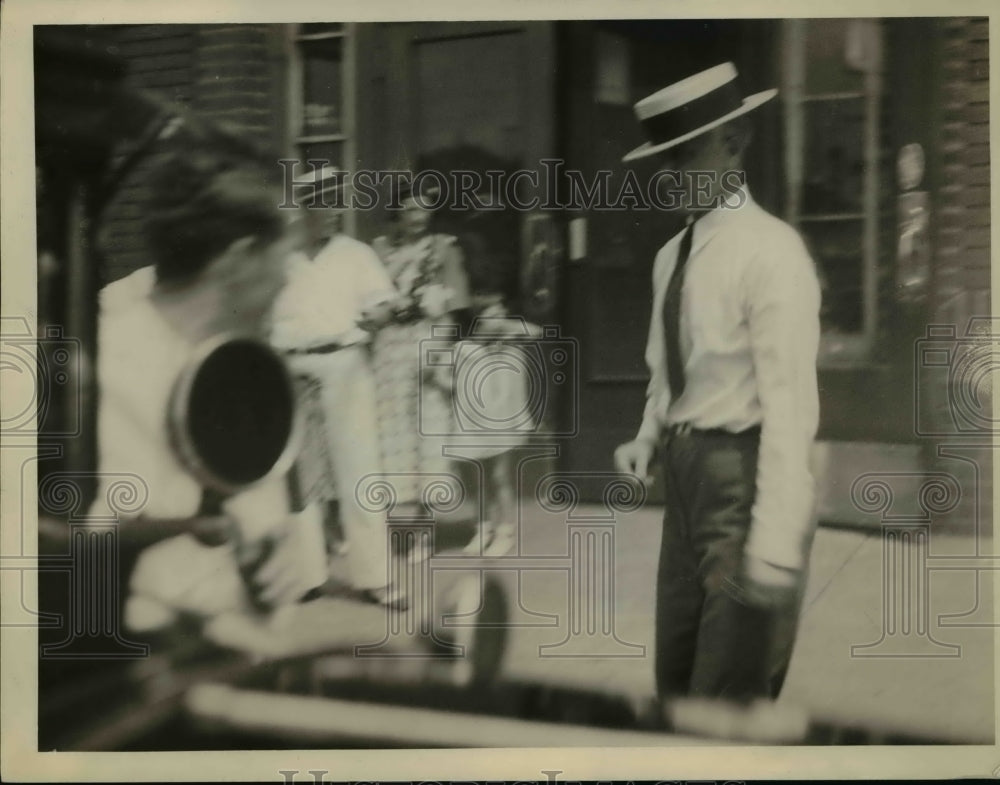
946	691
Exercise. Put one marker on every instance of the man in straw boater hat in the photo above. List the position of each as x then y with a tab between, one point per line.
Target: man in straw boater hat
317	321
732	404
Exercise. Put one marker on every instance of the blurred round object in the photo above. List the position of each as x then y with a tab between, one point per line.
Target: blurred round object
759	722
232	414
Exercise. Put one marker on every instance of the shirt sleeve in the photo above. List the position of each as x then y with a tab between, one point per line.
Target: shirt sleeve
782	308
657	391
134	459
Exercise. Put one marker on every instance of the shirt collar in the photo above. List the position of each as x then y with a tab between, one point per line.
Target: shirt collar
711	221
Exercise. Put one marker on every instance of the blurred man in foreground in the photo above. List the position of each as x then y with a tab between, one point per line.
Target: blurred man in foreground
218	246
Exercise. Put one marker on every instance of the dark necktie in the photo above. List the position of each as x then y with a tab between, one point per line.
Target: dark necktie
672	317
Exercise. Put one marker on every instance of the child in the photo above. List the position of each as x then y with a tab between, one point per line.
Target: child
489	389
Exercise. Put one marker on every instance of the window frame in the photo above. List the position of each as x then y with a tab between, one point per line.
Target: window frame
837	349
296	99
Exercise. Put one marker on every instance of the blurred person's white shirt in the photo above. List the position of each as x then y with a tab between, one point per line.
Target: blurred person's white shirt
140	357
128	289
324	296
321	305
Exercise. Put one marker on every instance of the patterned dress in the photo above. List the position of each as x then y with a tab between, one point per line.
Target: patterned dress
414	411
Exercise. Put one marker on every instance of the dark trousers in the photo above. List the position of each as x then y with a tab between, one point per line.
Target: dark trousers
708	642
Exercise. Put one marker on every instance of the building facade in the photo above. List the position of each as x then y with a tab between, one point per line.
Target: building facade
877	151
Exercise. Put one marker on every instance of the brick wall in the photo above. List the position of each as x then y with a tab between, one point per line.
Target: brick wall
962	254
160	58
962	266
239	79
232	74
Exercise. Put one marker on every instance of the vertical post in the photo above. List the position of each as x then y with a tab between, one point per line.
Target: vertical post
792	90
871	192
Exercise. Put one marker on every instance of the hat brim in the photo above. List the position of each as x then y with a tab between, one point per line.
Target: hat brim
322	187
749	104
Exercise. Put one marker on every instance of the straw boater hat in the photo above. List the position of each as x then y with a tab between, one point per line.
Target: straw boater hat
691	107
324	180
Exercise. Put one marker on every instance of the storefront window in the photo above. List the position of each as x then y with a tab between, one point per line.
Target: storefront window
832	84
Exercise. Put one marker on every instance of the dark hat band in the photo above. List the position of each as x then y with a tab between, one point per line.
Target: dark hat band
675	123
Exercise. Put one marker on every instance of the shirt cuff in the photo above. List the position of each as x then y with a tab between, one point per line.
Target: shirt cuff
782	546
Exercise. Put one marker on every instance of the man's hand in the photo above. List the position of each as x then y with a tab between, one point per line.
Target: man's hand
634	457
375	317
274	567
766	585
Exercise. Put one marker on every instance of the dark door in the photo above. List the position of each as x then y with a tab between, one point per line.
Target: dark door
472	96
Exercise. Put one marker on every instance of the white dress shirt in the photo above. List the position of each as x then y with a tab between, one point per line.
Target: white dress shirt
140	358
324	296
749	335
125	291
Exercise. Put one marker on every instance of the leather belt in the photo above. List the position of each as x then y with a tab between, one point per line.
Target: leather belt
686	429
